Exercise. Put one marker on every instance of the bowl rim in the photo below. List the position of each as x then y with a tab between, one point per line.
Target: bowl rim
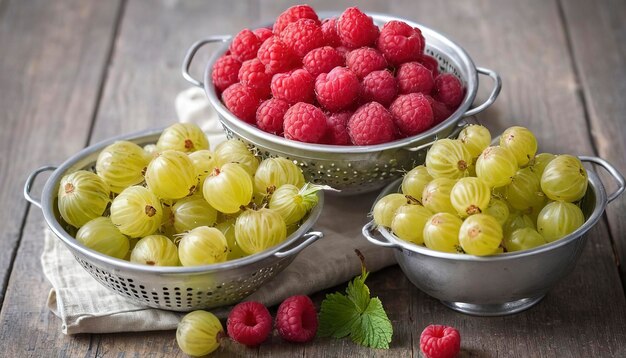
246	130
144	137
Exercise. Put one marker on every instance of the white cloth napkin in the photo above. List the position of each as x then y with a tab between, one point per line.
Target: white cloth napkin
85	306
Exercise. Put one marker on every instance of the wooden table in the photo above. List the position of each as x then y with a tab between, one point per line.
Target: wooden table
75	72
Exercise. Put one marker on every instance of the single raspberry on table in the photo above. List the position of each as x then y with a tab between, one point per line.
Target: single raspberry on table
379	86
400	43
448	90
249	323
225	71
305	123
322	60
303	36
276	56
242	101
270	115
293	14
296	319
414	78
245	45
364	60
371	124
263	33
430	63
412	113
337	89
439	341
252	74
329	29
337	131
440	111
295	86
356	29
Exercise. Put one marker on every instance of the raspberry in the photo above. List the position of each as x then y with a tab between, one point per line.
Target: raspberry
322	60
293	14
294	86
356	29
379	86
296	319
364	60
270	114
225	72
263	33
448	90
371	124
440	342
440	110
337	89
337	131
303	36
343	50
245	45
414	78
249	323
329	29
276	56
412	113
430	63
400	43
242	101
252	74
305	123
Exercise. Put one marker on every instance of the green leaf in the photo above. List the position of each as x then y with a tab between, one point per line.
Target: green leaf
359	293
373	329
337	316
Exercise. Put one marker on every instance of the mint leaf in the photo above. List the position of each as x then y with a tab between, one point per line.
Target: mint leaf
337	316
374	328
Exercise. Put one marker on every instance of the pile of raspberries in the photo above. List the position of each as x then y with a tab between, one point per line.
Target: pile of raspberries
339	81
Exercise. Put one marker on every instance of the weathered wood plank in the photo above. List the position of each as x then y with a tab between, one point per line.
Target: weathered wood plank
53	61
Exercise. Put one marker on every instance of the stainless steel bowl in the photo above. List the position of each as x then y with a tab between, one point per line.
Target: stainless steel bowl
500	284
170	288
356	169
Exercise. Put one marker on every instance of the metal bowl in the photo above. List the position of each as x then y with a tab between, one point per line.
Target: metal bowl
504	283
356	169
170	288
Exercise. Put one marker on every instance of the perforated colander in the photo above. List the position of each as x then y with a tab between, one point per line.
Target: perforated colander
171	288
356	169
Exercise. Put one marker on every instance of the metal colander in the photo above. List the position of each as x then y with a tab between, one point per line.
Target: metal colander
171	288
356	169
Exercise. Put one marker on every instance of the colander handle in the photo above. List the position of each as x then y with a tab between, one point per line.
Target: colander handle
192	52
29	184
619	178
311	237
368	232
497	86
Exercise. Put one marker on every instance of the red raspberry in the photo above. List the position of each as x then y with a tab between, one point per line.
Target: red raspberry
242	101
329	28
296	319
225	72
276	56
337	89
303	36
249	323
252	74
245	45
263	33
430	63
440	342
294	86
270	114
440	111
412	113
448	90
322	60
414	78
400	42
343	50
356	29
305	123
379	86
364	60
371	124
337	131
293	14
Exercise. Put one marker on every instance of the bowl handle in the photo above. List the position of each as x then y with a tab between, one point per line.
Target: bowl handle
497	86
368	232
619	178
29	183
311	237
192	52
